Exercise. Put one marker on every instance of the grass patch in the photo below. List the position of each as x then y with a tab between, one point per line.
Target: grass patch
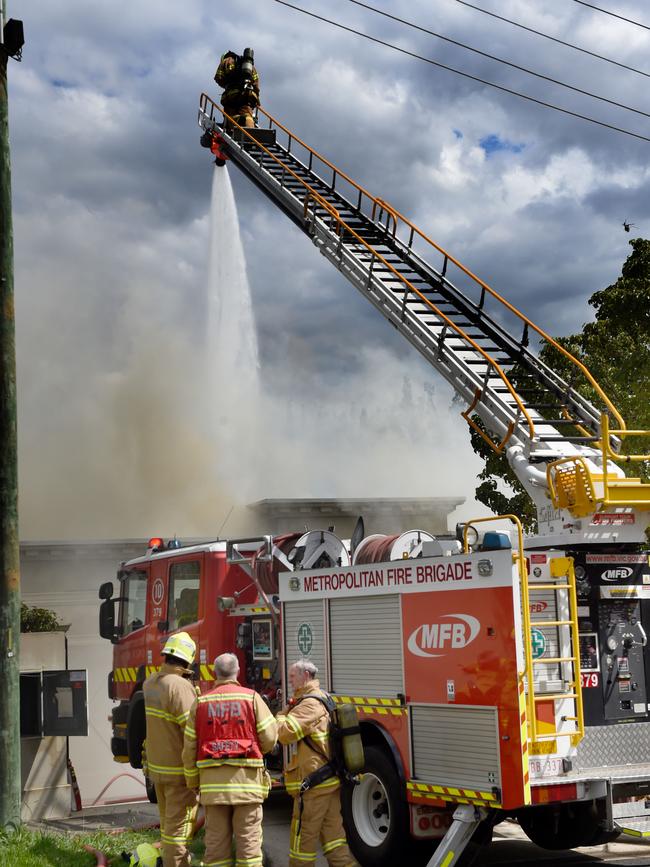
26	848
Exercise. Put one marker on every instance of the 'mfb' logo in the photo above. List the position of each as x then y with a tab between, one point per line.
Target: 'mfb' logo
460	631
617	574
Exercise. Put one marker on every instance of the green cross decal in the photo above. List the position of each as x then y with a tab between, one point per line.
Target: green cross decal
538	642
305	638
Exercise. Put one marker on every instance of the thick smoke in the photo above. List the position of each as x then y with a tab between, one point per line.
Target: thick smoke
179	429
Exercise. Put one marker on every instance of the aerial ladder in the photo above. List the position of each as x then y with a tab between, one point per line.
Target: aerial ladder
566	450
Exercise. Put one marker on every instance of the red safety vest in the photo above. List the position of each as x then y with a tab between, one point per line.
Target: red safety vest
226	727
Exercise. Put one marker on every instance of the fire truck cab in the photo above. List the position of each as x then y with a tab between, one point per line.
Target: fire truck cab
167	590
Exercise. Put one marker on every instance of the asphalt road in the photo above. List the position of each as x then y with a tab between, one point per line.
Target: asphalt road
509	847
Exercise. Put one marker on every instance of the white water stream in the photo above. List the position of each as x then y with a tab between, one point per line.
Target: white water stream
231	337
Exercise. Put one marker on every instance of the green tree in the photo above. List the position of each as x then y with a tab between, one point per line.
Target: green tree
615	348
34	619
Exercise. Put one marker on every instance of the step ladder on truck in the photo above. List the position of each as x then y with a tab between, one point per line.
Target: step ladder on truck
500	676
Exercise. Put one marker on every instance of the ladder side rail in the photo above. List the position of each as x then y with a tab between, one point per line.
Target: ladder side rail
462	378
255	169
497	332
472	345
490	410
473	277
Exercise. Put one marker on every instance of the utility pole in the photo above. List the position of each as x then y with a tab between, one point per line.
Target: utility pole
10	782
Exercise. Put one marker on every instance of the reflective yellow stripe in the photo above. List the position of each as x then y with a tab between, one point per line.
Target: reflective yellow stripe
295	726
157	713
333	844
234	787
224	696
165	769
237	762
265	723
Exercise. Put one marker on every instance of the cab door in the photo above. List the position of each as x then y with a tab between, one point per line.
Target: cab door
184	577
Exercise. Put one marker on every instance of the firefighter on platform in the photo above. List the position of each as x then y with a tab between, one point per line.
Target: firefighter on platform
228	731
305	725
241	83
168	698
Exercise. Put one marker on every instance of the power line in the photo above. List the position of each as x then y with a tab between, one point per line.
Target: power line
500	59
555	39
613	14
465	74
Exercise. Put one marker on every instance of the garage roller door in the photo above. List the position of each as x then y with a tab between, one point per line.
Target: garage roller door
304	635
366	641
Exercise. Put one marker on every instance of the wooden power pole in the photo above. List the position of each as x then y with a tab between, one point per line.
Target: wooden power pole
10	782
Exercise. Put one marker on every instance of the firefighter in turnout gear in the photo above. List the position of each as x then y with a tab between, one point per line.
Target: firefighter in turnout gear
305	725
241	83
228	731
168	698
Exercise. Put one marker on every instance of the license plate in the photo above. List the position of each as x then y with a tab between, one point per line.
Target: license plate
545	767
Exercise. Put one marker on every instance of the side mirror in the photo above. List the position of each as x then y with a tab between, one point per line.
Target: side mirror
107	620
106	590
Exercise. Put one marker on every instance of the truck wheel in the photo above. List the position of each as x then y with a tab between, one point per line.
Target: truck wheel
151	790
563	826
375	813
136	729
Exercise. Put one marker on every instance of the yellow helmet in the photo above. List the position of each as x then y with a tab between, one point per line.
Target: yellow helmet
182	646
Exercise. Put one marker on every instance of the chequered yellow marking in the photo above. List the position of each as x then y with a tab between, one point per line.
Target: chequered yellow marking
523	736
449	793
372	704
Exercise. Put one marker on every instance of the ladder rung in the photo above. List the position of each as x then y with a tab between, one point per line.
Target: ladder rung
551	622
568	439
552	696
534	586
547	661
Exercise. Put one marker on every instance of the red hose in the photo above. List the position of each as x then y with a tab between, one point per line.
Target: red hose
112	780
267	571
101	858
375	550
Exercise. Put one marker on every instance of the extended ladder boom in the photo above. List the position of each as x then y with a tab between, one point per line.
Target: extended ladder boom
463	328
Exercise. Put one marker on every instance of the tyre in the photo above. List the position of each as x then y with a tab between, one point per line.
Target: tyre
151	790
375	813
135	729
564	826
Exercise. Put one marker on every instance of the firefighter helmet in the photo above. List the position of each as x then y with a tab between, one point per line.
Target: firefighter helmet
145	855
181	646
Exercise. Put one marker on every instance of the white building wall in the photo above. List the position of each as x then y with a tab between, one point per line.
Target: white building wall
65	577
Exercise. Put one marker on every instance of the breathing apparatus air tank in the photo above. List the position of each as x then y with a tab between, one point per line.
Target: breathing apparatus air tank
351	743
247	65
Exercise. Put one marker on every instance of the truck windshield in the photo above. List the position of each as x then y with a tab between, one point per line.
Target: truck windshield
134	600
184	581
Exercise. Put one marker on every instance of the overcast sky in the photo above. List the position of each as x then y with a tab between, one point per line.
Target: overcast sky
111	219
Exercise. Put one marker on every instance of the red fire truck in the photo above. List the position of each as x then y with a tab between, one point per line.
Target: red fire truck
493	677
